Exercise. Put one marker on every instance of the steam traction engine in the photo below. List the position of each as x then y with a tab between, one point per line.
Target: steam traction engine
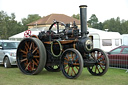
68	51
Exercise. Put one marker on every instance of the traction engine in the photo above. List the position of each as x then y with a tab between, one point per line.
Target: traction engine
67	50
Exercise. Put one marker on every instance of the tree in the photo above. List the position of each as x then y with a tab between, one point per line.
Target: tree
77	16
29	19
100	25
4	19
93	22
8	25
113	24
124	27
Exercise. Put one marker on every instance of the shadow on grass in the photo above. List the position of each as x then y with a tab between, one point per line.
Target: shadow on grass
13	66
85	75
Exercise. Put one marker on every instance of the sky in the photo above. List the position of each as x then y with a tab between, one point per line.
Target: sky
103	9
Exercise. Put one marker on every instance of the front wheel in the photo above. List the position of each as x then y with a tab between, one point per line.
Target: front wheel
102	62
71	63
7	63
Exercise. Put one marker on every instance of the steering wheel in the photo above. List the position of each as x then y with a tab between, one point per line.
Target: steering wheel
56	22
27	33
53	24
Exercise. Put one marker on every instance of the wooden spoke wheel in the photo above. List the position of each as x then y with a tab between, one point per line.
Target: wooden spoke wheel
31	56
102	62
54	68
71	63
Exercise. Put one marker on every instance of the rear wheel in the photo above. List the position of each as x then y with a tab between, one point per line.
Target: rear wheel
7	63
102	62
72	63
31	56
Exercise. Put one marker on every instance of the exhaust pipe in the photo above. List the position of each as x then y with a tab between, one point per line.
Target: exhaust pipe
83	20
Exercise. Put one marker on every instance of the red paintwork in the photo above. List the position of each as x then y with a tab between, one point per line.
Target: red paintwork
118	60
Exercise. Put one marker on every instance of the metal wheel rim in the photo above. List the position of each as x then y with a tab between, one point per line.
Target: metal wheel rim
102	62
72	68
29	58
5	63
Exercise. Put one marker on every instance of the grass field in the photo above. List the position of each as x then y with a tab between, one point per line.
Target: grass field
13	76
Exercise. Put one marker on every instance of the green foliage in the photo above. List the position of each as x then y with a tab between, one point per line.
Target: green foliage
9	26
29	19
93	21
13	76
114	25
77	16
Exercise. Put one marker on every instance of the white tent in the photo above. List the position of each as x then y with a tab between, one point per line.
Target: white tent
17	37
20	36
105	40
124	38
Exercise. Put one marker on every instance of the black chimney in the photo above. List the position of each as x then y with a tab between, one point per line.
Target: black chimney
83	20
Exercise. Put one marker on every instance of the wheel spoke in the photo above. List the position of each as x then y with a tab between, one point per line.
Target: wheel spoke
66	59
68	56
77	68
68	70
23	51
37	61
24	55
33	45
67	67
101	64
33	66
34	63
97	69
26	49
23	60
26	63
27	66
73	70
30	46
102	60
99	57
65	63
27	45
36	56
76	64
35	50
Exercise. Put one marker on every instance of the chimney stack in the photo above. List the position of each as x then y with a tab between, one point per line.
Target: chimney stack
83	20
